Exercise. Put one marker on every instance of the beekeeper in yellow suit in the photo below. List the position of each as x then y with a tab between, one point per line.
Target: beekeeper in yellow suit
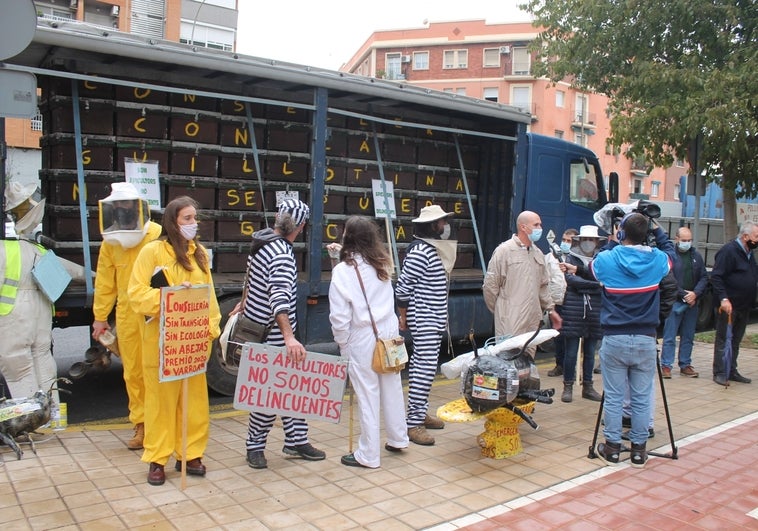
126	229
177	259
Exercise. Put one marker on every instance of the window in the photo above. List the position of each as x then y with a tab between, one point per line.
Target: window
455	59
679	163
677	191
637	186
580	139
221	3
582	108
421	60
393	66
558	134
654	187
37	122
584	185
206	36
461	91
490	94
521	98
521	61
491	57
560	98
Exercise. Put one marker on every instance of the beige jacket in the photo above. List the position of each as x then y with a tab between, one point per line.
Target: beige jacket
516	287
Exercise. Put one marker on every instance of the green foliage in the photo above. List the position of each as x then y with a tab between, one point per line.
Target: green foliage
671	69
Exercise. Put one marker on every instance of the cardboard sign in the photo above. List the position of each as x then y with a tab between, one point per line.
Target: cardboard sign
267	381
384	198
184	342
144	176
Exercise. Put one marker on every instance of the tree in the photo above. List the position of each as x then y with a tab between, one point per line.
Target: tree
671	69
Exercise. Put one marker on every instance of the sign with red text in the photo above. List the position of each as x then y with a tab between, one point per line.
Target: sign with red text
184	342
267	381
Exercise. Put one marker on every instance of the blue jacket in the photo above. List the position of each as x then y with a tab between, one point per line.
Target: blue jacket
699	274
631	275
734	276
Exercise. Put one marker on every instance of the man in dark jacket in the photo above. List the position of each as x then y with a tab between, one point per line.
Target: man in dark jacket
734	278
691	279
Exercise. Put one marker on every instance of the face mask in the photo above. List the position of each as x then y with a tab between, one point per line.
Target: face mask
684	246
565	247
445	232
587	247
535	235
188	231
751	244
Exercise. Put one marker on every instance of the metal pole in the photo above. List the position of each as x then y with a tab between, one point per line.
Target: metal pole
3	156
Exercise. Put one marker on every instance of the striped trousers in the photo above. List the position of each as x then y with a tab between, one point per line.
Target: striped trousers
295	430
421	372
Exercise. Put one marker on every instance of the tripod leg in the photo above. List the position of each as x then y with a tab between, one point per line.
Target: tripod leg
674	449
591	454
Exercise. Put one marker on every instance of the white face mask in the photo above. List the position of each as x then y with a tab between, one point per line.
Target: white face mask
587	247
445	232
565	247
188	231
685	246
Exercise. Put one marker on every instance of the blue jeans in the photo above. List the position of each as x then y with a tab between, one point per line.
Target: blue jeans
681	322
627	358
572	352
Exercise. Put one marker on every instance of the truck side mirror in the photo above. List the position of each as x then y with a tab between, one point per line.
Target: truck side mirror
613	187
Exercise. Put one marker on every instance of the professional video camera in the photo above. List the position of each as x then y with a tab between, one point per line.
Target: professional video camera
609	217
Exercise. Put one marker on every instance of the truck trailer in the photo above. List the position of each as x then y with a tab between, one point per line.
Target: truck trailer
232	131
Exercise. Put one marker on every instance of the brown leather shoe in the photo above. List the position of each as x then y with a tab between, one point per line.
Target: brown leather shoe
156	475
666	373
135	443
689	371
418	435
195	467
433	423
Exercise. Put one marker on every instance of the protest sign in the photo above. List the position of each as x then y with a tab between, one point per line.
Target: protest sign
184	343
267	381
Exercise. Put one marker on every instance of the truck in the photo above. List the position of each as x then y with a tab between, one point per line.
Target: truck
233	131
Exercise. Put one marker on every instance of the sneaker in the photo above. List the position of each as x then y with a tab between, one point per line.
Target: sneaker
433	423
596	370
306	451
689	371
555	371
666	373
638	455
350	460
737	377
608	452
418	435
256	459
650	434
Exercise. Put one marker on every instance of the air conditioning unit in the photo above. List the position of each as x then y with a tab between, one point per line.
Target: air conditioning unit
505	49
405	59
114	11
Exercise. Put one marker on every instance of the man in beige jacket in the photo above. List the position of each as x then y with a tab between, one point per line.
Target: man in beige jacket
516	285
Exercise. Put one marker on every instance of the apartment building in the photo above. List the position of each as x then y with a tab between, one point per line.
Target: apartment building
204	23
493	62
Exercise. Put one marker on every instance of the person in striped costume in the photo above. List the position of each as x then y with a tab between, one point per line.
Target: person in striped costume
272	300
421	297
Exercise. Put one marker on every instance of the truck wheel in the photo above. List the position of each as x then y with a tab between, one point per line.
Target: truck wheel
220	373
705	311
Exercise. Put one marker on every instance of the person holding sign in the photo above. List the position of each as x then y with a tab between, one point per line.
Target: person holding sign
271	300
176	259
350	315
421	296
126	228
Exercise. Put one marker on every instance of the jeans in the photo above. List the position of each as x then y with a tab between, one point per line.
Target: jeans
681	321
627	359
739	322
571	353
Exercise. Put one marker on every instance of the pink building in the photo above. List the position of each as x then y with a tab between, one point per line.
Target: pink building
493	62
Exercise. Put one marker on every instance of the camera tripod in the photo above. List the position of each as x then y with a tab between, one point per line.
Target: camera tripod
674	454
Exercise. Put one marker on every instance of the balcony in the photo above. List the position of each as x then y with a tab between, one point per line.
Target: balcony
583	120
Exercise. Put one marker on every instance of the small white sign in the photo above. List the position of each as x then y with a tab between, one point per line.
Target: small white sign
283	195
144	176
384	198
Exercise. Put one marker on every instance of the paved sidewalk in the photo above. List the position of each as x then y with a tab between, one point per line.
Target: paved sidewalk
85	478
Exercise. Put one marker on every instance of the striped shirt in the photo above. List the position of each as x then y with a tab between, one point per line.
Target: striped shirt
422	288
272	287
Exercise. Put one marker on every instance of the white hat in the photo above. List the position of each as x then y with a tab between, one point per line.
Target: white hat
122	192
16	193
31	219
431	213
588	231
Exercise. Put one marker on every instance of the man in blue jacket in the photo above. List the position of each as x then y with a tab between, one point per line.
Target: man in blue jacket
691	279
734	278
630	274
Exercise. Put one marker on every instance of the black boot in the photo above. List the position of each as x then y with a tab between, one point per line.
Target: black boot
638	456
568	391
608	452
589	392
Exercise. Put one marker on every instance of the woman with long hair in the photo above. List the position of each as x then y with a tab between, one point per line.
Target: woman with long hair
363	255
176	259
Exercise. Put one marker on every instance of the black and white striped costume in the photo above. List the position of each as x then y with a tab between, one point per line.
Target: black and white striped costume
422	288
272	289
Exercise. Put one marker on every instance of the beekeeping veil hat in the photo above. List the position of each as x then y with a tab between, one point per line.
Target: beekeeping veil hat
26	212
124	216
